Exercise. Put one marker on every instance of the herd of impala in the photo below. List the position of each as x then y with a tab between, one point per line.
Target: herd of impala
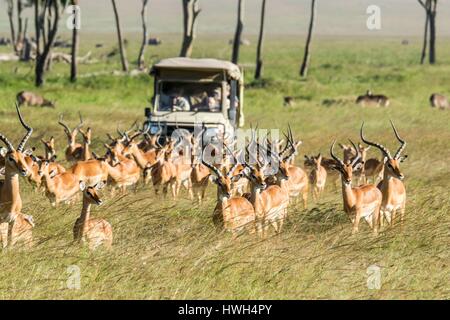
251	195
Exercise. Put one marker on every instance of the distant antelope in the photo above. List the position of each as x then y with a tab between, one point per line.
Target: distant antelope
32	99
96	232
74	150
14	225
359	202
392	187
318	177
439	101
370	99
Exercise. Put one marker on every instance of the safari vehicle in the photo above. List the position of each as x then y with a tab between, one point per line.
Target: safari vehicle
190	93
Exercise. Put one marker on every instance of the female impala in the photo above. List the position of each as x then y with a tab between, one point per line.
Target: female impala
318	177
14	225
74	150
392	187
61	187
90	172
50	154
234	214
95	232
359	202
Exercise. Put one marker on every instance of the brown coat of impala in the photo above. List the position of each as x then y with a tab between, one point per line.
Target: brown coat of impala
359	202
318	177
87	155
91	172
234	214
60	188
74	150
392	187
14	225
94	232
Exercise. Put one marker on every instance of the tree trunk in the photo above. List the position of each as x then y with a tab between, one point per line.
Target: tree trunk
190	14
307	54
259	61
41	60
425	40
123	55
74	51
37	27
238	33
11	22
432	14
19	40
141	57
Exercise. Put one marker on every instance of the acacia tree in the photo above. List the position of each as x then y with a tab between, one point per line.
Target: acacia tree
190	14
259	61
141	62
238	32
75	45
44	56
430	7
123	55
307	54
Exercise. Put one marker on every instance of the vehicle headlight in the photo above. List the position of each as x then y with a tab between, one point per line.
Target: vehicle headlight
154	129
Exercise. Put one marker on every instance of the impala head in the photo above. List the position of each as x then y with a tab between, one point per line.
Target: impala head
86	135
391	163
71	134
44	166
90	193
15	158
346	168
224	181
49	147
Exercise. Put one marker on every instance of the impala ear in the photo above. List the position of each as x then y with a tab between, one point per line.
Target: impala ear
385	159
213	178
358	166
403	158
52	173
53	159
82	186
236	177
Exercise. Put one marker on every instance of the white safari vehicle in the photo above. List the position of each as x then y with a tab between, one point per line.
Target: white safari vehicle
191	93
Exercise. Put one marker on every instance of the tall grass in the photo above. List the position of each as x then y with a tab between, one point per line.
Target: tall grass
167	250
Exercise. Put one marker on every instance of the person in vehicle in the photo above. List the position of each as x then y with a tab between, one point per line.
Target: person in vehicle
179	102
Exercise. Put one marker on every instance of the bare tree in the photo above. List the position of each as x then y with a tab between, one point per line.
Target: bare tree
190	14
11	21
430	7
43	56
141	57
123	55
19	39
75	45
259	61
307	54
238	32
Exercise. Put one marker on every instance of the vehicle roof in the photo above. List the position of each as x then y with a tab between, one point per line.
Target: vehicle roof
179	63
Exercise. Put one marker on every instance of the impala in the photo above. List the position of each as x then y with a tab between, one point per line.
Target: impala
123	171
200	173
91	172
50	154
318	177
234	214
270	202
359	202
60	188
14	225
392	187
96	232
74	150
87	155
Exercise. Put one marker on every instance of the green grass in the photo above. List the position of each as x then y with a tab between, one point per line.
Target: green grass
169	250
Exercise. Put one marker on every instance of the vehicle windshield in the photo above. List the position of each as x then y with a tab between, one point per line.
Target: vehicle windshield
189	96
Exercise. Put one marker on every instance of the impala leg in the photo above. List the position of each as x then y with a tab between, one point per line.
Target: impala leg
394	213
356	221
11	240
402	215
305	199
387	215
376	219
4	234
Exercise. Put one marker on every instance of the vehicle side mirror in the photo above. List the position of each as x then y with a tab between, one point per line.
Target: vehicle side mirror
147	112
